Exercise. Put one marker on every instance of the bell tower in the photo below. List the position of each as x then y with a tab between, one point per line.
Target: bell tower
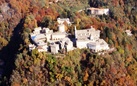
75	32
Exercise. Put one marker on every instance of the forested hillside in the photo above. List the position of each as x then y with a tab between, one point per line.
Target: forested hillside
79	67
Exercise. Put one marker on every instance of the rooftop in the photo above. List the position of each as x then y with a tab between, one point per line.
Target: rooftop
129	33
59	33
92	8
98	42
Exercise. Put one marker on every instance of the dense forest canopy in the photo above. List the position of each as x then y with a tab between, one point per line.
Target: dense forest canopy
79	67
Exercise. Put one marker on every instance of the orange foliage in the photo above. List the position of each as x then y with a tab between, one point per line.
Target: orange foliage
129	46
83	56
42	12
121	3
113	70
24	80
129	59
67	78
86	75
35	10
15	84
115	2
116	43
21	6
38	18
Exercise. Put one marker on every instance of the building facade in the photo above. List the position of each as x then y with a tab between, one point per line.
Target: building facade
66	44
98	45
47	40
90	33
98	11
62	20
90	38
54	48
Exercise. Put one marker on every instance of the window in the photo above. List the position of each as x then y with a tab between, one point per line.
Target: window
96	12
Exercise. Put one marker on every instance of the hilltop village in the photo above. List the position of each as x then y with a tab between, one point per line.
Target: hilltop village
45	40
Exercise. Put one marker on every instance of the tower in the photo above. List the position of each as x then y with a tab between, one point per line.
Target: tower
61	28
75	32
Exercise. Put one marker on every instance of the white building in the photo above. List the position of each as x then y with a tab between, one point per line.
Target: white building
61	28
62	20
61	34
37	30
31	47
98	45
69	45
58	36
90	38
41	36
46	30
82	43
129	32
66	43
98	11
54	1
54	48
47	35
90	33
87	38
43	48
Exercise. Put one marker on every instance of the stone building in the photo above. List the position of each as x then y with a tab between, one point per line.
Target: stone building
98	45
62	20
45	39
98	11
42	36
128	32
66	44
82	43
54	48
31	47
61	28
90	33
90	38
58	36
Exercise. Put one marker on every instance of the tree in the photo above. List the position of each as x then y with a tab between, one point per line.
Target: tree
46	22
